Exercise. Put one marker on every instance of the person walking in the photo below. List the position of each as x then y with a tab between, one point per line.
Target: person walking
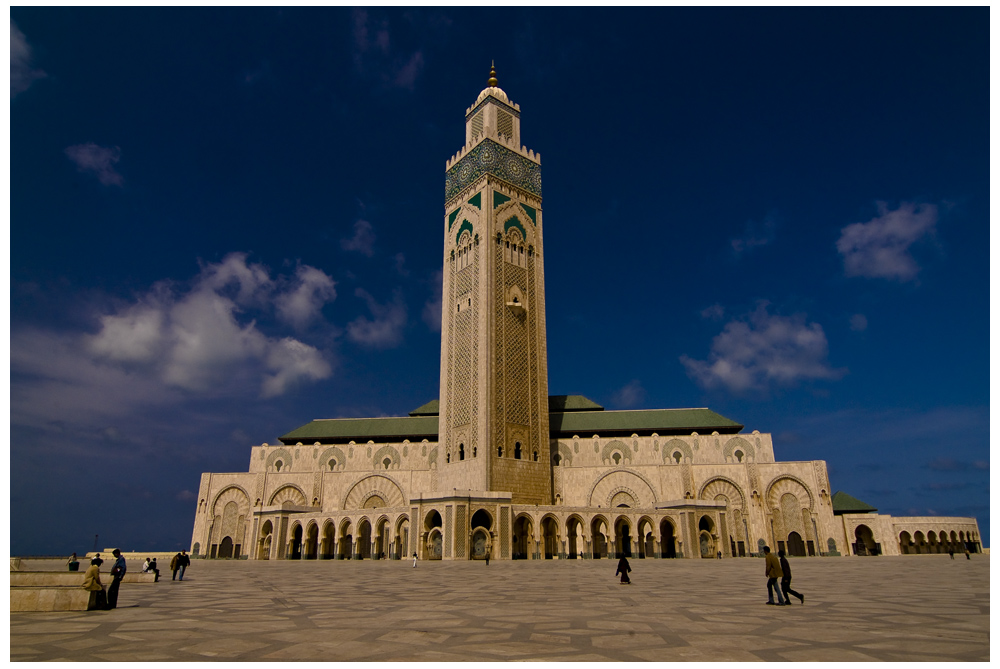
184	562
117	574
175	563
786	579
414	559
487	557
772	569
624	569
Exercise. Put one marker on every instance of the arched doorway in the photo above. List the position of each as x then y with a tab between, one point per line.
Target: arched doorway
795	544
647	543
295	544
623	537
345	546
865	541
904	542
668	547
574	537
482	542
706	542
403	539
599	534
326	548
434	543
523	539
226	547
264	543
364	547
432	525
381	533
312	542
550	537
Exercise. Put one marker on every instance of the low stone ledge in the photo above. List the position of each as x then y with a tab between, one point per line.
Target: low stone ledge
51	598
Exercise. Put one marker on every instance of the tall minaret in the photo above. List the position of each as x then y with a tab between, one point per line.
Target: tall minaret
494	415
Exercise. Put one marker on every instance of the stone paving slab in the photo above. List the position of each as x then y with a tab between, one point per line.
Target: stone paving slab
907	608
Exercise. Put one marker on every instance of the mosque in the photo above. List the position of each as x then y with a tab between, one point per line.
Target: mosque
498	466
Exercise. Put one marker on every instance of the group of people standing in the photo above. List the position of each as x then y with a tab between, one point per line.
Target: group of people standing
108	599
92	580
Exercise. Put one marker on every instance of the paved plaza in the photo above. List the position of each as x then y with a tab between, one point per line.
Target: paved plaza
922	608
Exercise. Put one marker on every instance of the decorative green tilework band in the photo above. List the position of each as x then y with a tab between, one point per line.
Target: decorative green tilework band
477	200
530	212
452	216
499	199
513	222
490	157
465	226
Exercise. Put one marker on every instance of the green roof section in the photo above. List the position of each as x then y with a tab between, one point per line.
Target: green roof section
530	212
844	503
499	198
477	200
568	415
361	430
432	408
452	216
645	422
572	403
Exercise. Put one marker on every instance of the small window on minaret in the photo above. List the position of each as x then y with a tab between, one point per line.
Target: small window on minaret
461	451
499	451
517	450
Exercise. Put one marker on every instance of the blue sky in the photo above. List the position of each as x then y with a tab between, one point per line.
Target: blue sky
226	223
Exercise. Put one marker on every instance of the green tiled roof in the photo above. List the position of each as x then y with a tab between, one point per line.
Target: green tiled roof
432	408
579	415
661	421
844	503
572	403
343	430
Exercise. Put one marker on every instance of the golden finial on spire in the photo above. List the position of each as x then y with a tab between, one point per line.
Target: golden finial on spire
492	81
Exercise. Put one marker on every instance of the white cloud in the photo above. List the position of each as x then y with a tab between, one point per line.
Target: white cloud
363	240
253	281
859	323
755	234
97	160
880	247
293	362
386	329
134	336
432	308
761	350
22	71
200	340
630	395
304	303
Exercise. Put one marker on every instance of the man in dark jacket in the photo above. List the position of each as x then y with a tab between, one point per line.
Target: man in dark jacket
117	574
772	569
786	580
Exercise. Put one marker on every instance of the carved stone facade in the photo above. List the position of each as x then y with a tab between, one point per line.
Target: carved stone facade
498	467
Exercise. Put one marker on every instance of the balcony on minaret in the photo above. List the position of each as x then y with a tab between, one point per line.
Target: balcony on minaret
517	307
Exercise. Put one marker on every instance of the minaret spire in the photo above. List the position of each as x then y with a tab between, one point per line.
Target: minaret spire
492	81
